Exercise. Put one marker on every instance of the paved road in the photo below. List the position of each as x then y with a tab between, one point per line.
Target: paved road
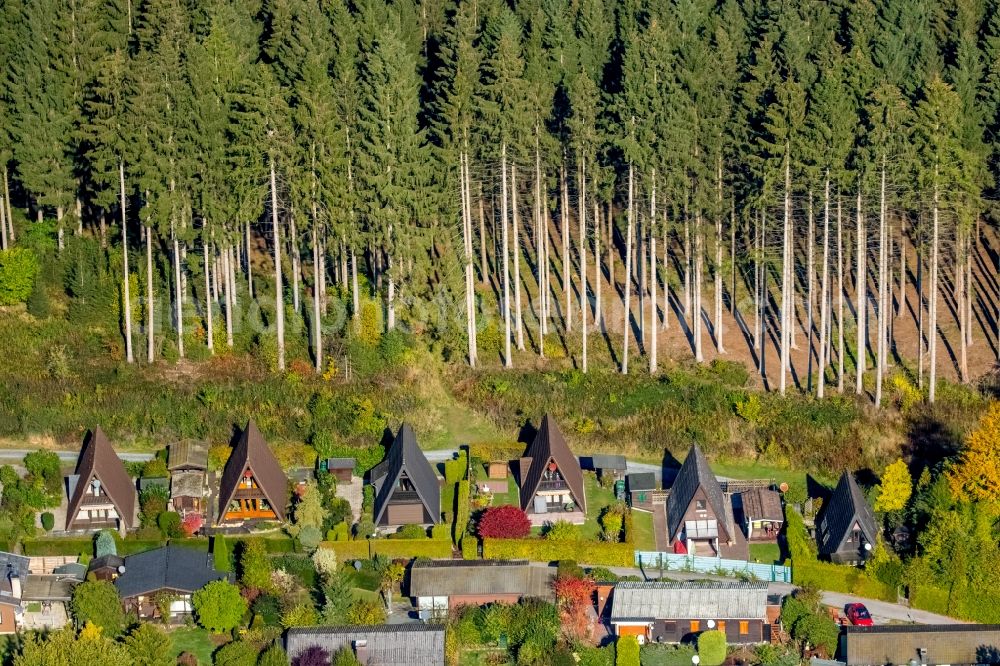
882	612
71	456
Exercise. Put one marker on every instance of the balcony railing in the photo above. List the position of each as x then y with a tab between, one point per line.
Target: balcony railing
404	497
96	500
553	484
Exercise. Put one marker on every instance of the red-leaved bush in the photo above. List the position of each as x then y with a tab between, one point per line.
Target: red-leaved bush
574	597
192	523
504	522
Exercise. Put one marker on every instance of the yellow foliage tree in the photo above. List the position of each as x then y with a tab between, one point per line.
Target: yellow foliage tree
976	475
896	488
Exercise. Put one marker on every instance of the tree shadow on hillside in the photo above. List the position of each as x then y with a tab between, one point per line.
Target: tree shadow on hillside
928	443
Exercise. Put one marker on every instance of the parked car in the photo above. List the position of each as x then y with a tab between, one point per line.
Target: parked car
858	615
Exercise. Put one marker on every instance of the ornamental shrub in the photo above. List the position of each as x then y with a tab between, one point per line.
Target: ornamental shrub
504	522
412	532
712	647
18	267
48	521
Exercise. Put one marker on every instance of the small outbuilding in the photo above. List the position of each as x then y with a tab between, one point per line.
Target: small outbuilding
497	469
342	469
605	465
187	456
438	586
763	514
640	486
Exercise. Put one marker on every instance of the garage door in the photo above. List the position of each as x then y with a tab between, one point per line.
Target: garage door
405	514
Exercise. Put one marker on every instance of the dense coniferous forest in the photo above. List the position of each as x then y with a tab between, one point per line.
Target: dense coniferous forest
807	187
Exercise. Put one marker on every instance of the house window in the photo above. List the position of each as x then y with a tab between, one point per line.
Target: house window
744	628
700	505
695	626
721	626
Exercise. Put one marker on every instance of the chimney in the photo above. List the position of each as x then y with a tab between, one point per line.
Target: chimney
361	651
15	585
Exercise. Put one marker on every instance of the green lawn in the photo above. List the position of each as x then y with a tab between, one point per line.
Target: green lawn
195	640
597	499
642	530
766	553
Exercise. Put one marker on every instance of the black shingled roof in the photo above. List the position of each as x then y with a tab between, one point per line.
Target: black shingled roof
641	481
405	454
171	567
695	472
847	505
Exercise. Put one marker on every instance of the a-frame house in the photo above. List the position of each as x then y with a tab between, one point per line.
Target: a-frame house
699	515
253	485
407	491
101	493
846	529
551	478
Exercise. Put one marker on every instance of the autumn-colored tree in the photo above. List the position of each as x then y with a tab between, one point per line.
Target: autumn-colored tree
574	597
976	475
895	489
504	522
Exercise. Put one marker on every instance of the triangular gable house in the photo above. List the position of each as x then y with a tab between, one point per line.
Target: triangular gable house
847	524
253	485
407	491
101	493
550	473
699	513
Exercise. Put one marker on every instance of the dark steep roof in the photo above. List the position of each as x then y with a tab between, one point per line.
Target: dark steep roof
98	458
171	567
603	461
252	451
386	644
549	445
641	481
847	505
405	455
696	473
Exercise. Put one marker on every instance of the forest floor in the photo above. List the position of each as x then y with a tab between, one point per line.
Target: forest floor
675	338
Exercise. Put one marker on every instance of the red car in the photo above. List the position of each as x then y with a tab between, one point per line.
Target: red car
858	615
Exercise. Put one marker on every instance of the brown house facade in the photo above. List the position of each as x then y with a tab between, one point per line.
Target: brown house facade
101	493
700	518
677	612
407	491
253	485
551	478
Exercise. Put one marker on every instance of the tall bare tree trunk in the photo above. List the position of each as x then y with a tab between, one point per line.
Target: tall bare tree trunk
6	202
652	274
4	243
391	300
666	270
921	333
129	357
628	274
149	290
609	217
932	307
598	278
279	304
566	268
516	231
762	300
294	247
687	260
546	285
582	245
840	295
901	301
230	289
59	221
470	308
758	310
210	325
719	347
696	313
861	295
484	267
249	264
810	281
961	257
317	293
786	276
178	293
508	362
824	292
882	291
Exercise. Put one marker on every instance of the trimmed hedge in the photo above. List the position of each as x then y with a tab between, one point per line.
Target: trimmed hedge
454	470
462	496
441	532
807	569
543	550
976	605
76	545
470	548
392	548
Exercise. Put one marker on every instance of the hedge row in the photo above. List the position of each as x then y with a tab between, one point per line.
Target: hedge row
393	548
543	550
54	546
840	578
462	495
976	605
